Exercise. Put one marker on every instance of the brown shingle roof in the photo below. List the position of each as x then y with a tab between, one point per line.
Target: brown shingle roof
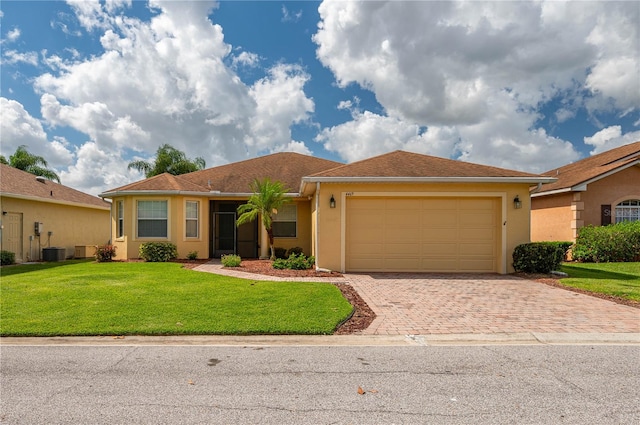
18	183
407	164
163	182
287	167
582	171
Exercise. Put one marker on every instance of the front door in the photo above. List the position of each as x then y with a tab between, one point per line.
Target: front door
227	238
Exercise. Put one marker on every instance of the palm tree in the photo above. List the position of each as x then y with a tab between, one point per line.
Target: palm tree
168	160
267	197
33	164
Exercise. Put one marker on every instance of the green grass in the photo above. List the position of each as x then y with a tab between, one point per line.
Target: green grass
616	279
89	298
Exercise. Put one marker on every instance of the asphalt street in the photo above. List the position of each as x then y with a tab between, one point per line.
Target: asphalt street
478	384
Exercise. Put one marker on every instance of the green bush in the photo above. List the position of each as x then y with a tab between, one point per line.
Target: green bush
614	243
294	250
294	262
7	257
193	255
280	252
158	251
231	260
104	253
539	257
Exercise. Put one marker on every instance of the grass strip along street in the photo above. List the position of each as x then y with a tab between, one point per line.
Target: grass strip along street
128	298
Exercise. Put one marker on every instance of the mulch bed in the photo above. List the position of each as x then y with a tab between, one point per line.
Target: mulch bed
362	315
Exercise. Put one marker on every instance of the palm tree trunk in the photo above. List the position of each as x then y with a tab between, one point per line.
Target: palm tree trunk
271	244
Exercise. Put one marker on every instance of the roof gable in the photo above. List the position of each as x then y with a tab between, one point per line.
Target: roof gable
579	173
408	164
20	184
162	182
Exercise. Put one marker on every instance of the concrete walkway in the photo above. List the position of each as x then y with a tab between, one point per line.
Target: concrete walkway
473	304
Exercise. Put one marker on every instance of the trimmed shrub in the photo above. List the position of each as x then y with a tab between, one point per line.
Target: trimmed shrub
539	257
193	255
294	262
7	257
280	252
104	253
294	250
158	252
231	260
614	243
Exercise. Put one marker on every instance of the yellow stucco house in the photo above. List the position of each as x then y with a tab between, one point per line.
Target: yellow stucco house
399	211
38	214
599	190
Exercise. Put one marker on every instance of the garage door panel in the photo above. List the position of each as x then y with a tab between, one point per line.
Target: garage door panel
437	249
395	250
400	235
477	249
422	234
436	219
470	235
476	265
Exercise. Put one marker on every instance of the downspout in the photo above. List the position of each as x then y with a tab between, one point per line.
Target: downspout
317	221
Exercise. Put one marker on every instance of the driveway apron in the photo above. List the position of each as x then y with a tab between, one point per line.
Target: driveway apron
422	304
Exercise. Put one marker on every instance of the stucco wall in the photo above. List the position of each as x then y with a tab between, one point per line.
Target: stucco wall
128	246
610	190
71	226
551	218
560	217
329	219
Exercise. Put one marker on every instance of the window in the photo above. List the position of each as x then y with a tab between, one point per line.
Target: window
628	211
152	219
120	229
191	217
284	222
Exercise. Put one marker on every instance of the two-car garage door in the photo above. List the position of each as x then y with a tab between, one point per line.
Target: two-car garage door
456	234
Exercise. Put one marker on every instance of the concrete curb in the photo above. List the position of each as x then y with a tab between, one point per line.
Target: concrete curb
533	338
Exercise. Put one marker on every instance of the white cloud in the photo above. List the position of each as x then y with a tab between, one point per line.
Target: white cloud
165	81
481	70
609	138
13	34
246	59
12	57
18	128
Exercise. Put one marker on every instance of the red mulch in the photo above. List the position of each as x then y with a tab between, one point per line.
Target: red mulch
551	280
359	320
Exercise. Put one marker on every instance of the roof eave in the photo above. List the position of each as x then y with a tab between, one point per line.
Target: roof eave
513	179
582	186
212	193
54	201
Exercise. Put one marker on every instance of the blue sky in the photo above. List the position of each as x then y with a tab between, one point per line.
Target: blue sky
524	85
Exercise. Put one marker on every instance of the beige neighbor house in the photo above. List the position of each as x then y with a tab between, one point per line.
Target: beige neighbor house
599	190
39	214
395	212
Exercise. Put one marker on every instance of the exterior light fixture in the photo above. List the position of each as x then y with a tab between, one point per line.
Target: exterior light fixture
332	202
517	203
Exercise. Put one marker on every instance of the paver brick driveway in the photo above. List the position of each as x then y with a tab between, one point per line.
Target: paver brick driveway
421	304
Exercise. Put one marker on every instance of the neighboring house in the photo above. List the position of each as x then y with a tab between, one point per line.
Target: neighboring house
38	213
599	190
395	212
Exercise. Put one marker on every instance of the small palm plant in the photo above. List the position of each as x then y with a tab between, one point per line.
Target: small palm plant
268	196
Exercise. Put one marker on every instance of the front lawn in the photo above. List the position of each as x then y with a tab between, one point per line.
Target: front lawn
614	279
89	298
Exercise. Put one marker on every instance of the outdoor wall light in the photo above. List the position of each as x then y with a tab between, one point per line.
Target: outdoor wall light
332	202
517	203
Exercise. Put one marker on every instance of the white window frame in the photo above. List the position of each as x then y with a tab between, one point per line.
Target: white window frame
624	211
284	216
165	219
188	219
120	219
